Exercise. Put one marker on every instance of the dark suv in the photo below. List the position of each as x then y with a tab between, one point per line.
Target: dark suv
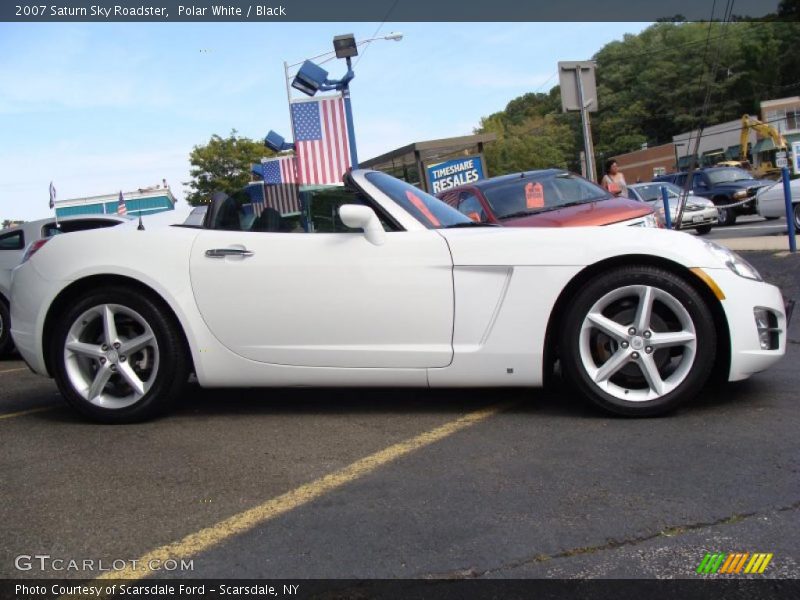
723	185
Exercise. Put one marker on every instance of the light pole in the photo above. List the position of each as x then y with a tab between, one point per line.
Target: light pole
311	78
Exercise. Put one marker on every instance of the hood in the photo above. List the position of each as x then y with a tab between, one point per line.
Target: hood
574	246
602	212
743	184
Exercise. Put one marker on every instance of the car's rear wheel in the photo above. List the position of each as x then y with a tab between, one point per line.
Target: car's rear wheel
702	230
6	343
117	357
796	212
638	341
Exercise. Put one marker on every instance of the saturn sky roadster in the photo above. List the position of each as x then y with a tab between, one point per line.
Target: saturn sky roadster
377	283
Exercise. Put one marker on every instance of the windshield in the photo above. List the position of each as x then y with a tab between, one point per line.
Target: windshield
540	193
652	192
727	175
428	210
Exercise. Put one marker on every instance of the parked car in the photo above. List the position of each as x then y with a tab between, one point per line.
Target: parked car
15	240
772	205
699	213
400	290
545	198
724	185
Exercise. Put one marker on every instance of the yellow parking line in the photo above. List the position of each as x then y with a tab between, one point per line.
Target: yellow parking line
206	538
13	370
26	412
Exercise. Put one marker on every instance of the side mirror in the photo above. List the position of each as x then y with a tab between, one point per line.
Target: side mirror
357	216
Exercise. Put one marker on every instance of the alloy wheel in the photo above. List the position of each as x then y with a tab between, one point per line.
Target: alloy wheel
637	343
111	356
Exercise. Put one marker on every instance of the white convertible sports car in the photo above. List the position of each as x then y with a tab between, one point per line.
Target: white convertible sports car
380	284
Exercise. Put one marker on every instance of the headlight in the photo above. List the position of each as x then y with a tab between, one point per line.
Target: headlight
733	261
650	220
740	194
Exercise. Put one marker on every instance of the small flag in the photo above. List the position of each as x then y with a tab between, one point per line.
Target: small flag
121	208
52	196
320	139
280	185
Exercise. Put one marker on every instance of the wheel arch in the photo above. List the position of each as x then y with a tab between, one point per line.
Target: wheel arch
80	286
554	324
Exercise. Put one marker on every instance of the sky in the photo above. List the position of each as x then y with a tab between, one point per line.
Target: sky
103	107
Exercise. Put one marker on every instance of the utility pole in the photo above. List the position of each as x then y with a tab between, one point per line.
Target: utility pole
579	93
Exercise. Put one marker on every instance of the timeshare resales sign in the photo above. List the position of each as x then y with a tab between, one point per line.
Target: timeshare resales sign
453	173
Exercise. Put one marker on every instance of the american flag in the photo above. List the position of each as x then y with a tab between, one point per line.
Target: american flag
121	208
320	140
280	185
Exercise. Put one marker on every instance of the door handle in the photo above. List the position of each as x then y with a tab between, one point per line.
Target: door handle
223	252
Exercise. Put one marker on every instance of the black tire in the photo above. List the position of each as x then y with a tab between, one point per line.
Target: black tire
727	216
796	213
698	368
703	230
173	365
6	343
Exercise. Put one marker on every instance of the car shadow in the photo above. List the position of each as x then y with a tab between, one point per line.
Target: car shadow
199	402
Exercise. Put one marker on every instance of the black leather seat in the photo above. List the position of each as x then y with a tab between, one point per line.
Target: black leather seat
227	216
268	220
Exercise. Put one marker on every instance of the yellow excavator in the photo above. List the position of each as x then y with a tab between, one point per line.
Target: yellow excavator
765	169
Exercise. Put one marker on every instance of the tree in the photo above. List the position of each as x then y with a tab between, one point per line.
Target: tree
222	165
652	86
530	135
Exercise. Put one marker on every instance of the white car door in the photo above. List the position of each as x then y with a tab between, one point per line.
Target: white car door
327	299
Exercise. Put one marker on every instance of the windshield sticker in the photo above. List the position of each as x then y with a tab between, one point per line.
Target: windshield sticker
534	195
421	207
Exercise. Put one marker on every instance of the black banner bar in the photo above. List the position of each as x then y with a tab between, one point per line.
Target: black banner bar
304	589
381	10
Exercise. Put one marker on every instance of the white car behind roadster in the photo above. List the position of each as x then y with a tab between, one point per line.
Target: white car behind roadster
383	285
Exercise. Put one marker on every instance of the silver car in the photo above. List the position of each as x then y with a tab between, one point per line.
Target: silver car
699	213
15	240
771	203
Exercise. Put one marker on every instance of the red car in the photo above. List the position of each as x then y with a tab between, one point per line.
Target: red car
545	198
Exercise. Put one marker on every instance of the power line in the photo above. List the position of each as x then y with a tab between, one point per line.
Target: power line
669	48
375	34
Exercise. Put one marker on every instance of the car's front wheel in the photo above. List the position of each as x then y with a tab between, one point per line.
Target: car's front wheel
727	216
703	229
796	212
638	341
118	357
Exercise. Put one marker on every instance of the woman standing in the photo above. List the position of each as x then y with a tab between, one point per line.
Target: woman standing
614	180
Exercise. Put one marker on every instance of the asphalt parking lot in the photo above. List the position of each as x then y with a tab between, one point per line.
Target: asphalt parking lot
408	483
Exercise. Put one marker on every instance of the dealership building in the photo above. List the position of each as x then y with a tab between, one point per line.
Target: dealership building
145	201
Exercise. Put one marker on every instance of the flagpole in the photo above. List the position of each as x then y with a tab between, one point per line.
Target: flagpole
288	94
303	212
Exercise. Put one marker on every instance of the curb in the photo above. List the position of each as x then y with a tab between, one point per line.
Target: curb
771	242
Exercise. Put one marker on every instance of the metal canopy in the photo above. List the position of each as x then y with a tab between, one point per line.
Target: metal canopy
409	162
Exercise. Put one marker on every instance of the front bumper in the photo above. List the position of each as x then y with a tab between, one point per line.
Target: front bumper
699	218
742	297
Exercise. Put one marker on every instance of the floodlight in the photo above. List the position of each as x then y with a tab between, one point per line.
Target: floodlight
345	46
